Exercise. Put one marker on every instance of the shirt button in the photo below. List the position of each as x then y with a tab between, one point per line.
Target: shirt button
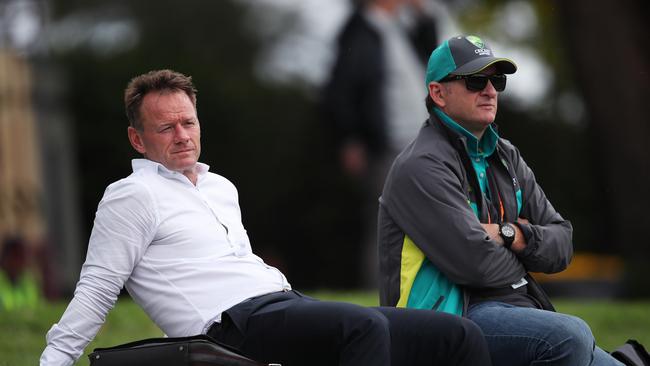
482	175
478	160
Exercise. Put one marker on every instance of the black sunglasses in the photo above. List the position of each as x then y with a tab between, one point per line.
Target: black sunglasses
478	82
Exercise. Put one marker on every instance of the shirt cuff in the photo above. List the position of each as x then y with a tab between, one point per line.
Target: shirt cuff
53	357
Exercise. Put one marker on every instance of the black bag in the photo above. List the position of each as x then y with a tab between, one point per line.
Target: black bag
199	350
632	353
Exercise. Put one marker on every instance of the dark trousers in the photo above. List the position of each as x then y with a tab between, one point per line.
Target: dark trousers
293	329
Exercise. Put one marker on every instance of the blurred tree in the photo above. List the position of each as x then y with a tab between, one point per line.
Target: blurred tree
606	43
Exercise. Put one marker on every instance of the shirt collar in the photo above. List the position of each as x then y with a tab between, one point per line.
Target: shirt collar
483	148
150	165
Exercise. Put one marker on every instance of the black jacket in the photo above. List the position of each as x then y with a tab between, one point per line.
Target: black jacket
353	98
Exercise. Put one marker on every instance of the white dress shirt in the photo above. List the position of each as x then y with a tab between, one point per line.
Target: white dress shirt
180	250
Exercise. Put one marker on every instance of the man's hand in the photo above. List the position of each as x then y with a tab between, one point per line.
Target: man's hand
520	241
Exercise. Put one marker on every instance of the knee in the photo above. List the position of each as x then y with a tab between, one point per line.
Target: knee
471	338
367	321
579	334
471	331
574	339
454	340
375	321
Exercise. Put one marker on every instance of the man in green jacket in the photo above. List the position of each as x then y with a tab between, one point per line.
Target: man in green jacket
462	220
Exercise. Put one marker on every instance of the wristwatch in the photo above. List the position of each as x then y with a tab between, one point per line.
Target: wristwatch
507	232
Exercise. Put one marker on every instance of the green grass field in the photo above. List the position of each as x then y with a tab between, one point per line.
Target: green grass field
22	332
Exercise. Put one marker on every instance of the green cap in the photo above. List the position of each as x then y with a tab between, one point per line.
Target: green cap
464	55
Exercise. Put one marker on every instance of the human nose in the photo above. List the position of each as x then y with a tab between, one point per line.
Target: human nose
489	89
180	135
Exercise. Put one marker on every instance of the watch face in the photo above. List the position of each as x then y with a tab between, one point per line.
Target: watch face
507	230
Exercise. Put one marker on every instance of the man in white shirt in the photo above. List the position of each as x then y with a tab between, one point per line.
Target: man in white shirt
171	233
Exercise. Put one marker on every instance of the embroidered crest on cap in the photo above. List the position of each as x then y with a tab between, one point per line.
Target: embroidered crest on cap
481	49
476	41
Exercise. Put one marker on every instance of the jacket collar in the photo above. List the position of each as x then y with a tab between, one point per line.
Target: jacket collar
475	147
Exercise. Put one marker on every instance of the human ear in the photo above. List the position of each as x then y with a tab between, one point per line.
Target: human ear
136	140
437	93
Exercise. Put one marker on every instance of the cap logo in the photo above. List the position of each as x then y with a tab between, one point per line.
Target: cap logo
481	49
476	41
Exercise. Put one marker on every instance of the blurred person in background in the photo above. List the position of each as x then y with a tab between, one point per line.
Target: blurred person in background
371	99
172	234
19	285
462	221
